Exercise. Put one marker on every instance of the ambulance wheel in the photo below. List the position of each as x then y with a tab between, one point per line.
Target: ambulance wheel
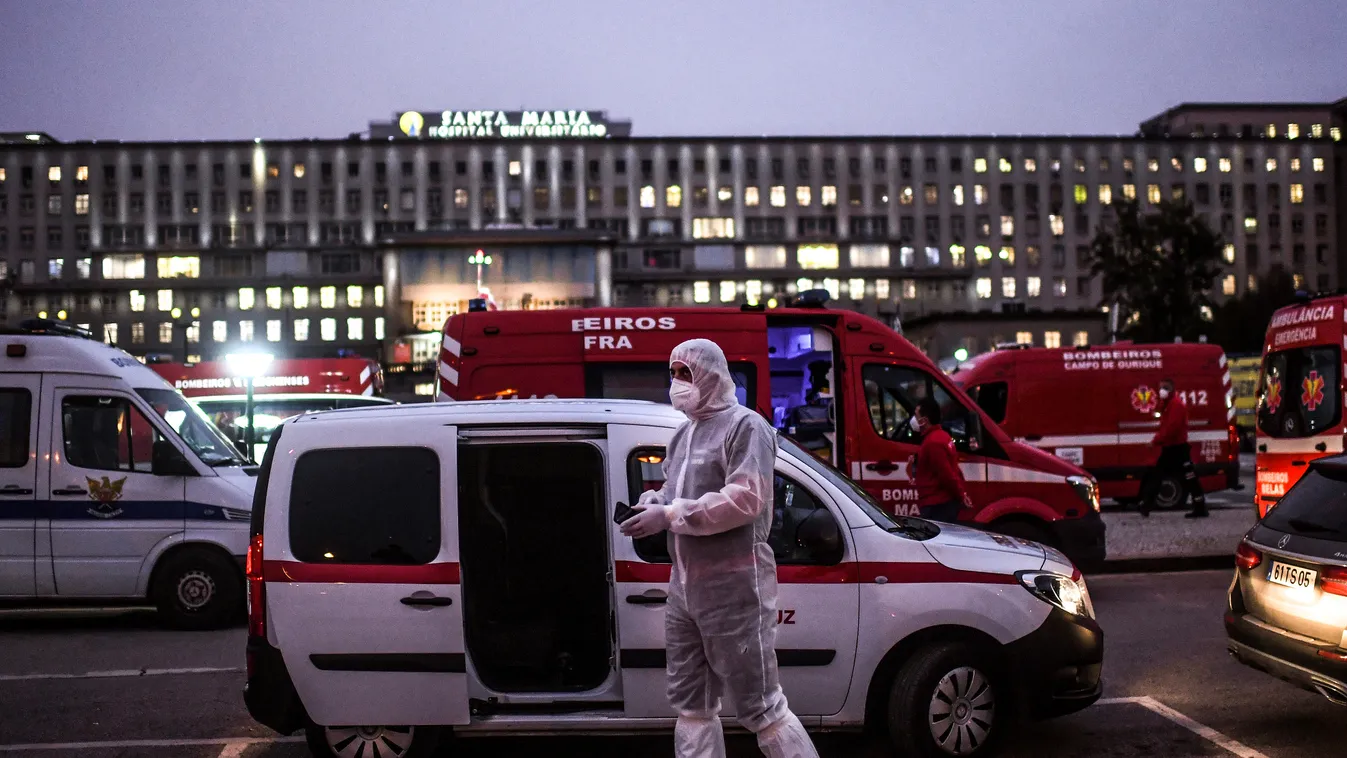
372	741
946	701
198	588
1169	495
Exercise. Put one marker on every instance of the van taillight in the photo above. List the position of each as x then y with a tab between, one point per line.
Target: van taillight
1334	579
257	591
1234	442
1247	556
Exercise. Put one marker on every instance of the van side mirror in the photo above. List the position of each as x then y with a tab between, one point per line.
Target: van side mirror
821	538
165	460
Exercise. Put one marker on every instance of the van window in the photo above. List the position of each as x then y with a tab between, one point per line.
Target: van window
650	381
1298	395
792	504
106	433
892	394
377	505
15	417
191	425
992	398
1315	507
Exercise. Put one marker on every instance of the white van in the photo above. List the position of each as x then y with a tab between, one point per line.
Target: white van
112	486
422	567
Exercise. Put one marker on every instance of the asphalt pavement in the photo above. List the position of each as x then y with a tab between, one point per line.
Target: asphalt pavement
113	684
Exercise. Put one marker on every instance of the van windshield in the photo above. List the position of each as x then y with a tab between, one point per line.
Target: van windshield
1315	507
1298	395
193	427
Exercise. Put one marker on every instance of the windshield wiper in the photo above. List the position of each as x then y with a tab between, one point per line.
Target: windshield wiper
1302	525
230	461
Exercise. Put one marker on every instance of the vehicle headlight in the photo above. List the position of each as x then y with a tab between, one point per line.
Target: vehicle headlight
1086	489
1069	594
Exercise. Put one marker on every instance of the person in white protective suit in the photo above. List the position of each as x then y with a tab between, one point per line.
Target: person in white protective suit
720	621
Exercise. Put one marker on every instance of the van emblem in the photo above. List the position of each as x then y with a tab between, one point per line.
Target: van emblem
1144	399
1273	400
105	494
1313	394
1285	539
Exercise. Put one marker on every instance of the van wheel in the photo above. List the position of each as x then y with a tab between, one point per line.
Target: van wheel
197	589
946	701
1169	495
1025	530
372	741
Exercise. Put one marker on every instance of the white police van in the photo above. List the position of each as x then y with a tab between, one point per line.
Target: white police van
419	568
112	486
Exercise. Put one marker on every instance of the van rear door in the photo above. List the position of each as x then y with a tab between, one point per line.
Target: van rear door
20	396
361	569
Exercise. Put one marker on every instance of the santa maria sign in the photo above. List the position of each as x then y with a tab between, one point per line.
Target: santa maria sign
504	124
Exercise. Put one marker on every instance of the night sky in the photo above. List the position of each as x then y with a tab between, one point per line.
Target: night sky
230	69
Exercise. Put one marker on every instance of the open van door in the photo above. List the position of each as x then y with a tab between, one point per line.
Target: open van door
361	566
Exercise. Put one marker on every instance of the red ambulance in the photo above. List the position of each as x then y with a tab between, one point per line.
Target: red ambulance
1097	407
841	384
1300	394
288	388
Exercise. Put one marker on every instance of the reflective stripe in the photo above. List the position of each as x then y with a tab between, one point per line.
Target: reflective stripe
997	472
1304	445
1222	362
452	345
369	391
1100	440
364	375
1225	380
1229	414
856	470
449	373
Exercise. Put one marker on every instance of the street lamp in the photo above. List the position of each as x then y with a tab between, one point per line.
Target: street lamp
184	326
480	259
249	366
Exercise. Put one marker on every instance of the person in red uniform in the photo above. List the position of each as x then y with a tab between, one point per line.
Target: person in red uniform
934	469
1176	459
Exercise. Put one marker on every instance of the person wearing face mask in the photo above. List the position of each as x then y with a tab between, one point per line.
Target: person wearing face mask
720	618
1176	457
941	490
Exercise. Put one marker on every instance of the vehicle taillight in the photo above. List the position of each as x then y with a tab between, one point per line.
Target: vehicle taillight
1233	452
1248	557
257	605
1334	580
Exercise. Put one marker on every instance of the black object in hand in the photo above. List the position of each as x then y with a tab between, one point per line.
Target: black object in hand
622	512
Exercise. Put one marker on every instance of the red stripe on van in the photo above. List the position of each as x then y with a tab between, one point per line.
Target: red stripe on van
844	573
349	573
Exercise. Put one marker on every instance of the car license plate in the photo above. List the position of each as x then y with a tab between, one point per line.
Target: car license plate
1291	576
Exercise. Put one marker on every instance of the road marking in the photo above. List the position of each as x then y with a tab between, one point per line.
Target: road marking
228	742
122	673
234	749
1198	728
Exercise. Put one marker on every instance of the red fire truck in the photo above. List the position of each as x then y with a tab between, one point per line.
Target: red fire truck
1300	394
288	388
842	384
1098	408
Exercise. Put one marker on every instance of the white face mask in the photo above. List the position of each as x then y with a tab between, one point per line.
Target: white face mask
1164	394
915	423
683	395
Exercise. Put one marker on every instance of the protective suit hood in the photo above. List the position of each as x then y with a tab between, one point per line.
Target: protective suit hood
710	375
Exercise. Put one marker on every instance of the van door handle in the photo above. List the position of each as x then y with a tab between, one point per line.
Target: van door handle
882	467
429	602
654	597
1297	463
14	489
1321	447
69	491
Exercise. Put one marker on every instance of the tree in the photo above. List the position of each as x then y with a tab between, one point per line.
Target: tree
1157	268
1240	323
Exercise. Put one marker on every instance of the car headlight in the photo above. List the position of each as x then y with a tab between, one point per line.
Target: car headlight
1086	489
1069	594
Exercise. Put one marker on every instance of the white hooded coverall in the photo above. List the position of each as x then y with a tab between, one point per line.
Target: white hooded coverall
720	622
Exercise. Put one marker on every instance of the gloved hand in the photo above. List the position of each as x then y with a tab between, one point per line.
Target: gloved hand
649	520
651	497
